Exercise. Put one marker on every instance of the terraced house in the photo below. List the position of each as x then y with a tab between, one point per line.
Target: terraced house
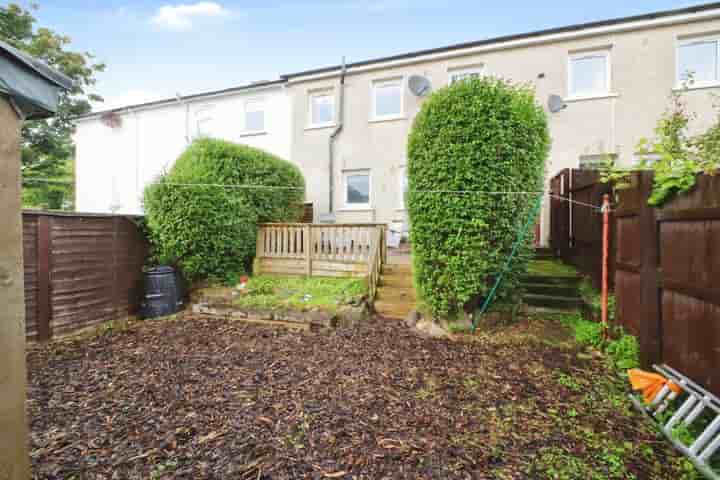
348	124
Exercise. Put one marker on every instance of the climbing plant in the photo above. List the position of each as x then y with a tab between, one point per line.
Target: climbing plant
472	138
675	157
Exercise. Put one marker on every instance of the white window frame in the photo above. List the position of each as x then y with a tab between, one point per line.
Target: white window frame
257	101
356	206
478	69
400	82
325	92
202	114
402	175
681	42
573	56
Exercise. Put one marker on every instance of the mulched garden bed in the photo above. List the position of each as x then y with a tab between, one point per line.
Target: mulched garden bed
203	398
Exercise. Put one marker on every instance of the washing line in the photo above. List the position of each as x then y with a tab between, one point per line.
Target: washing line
280	187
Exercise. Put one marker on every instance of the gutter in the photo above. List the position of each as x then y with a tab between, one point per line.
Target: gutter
333	137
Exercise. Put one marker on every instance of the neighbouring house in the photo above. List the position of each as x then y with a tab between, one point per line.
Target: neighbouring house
120	151
613	79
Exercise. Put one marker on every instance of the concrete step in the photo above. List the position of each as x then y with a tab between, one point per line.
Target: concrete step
552	301
565	280
395	280
393	268
555	289
397	294
390	309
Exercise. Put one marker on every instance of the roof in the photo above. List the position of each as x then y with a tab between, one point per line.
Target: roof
212	93
38	66
508	38
32	86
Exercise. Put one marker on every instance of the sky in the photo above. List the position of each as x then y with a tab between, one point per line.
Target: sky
156	49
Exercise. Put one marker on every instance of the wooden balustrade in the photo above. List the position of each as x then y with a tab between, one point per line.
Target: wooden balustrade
319	249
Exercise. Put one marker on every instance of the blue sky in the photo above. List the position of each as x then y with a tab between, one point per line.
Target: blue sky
154	49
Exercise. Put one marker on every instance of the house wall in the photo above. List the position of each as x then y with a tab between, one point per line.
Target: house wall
642	77
113	165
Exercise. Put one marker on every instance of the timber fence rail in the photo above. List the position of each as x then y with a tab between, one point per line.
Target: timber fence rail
80	270
666	266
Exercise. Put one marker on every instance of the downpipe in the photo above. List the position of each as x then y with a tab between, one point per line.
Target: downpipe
331	141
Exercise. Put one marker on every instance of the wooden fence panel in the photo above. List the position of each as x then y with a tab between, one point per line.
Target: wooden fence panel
81	270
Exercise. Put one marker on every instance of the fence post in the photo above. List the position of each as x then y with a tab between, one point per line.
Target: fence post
44	249
650	320
308	250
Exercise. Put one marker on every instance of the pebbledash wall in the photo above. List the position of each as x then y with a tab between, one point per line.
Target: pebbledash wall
119	152
628	67
641	71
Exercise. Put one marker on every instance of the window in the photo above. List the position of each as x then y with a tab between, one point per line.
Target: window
387	99
464	73
322	108
357	189
403	187
203	121
254	116
589	74
697	62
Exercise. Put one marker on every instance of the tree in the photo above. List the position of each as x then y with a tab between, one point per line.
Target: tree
47	147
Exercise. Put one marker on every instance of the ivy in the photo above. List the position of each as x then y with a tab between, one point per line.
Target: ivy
472	137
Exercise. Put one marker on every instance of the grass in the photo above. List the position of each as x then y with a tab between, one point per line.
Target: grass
553	268
268	291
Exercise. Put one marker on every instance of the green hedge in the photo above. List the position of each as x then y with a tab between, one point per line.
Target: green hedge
208	230
480	135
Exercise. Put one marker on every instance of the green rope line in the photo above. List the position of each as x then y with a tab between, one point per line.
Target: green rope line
521	238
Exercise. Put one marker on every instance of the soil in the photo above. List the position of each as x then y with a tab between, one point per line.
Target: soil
199	398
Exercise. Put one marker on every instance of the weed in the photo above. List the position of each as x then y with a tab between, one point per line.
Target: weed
569	382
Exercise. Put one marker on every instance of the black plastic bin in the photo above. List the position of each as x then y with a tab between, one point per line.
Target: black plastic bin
164	293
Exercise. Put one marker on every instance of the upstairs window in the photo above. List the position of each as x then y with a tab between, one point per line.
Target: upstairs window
357	188
204	121
321	108
589	74
464	73
387	99
254	116
697	62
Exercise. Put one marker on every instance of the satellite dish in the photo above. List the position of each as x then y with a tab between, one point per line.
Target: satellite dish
419	85
556	103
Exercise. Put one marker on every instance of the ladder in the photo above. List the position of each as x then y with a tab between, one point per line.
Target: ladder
697	402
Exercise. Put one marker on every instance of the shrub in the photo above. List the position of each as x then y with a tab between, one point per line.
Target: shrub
208	230
481	135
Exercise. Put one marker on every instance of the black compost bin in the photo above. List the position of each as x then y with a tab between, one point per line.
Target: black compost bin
163	292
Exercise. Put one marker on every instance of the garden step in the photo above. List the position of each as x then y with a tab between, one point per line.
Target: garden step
401	294
392	309
393	268
551	289
566	280
396	280
552	301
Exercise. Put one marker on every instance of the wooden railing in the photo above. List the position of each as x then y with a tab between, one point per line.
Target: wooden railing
319	249
378	257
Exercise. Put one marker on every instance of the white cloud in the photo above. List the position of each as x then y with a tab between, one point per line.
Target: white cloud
181	16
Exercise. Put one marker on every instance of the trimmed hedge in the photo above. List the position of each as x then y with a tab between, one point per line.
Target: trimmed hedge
480	135
207	230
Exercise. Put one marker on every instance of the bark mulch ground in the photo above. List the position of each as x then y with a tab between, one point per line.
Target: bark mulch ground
199	398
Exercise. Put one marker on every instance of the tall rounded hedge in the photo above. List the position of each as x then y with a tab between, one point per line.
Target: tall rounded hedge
202	215
470	139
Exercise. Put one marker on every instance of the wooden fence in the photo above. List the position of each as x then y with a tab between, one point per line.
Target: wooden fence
667	274
80	270
319	250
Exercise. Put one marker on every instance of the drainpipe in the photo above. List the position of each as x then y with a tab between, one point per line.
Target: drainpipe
333	136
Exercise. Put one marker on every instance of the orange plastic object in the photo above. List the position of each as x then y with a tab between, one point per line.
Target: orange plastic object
650	383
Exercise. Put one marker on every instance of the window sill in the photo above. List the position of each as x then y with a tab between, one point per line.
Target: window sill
701	86
320	127
253	134
393	118
364	208
582	98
